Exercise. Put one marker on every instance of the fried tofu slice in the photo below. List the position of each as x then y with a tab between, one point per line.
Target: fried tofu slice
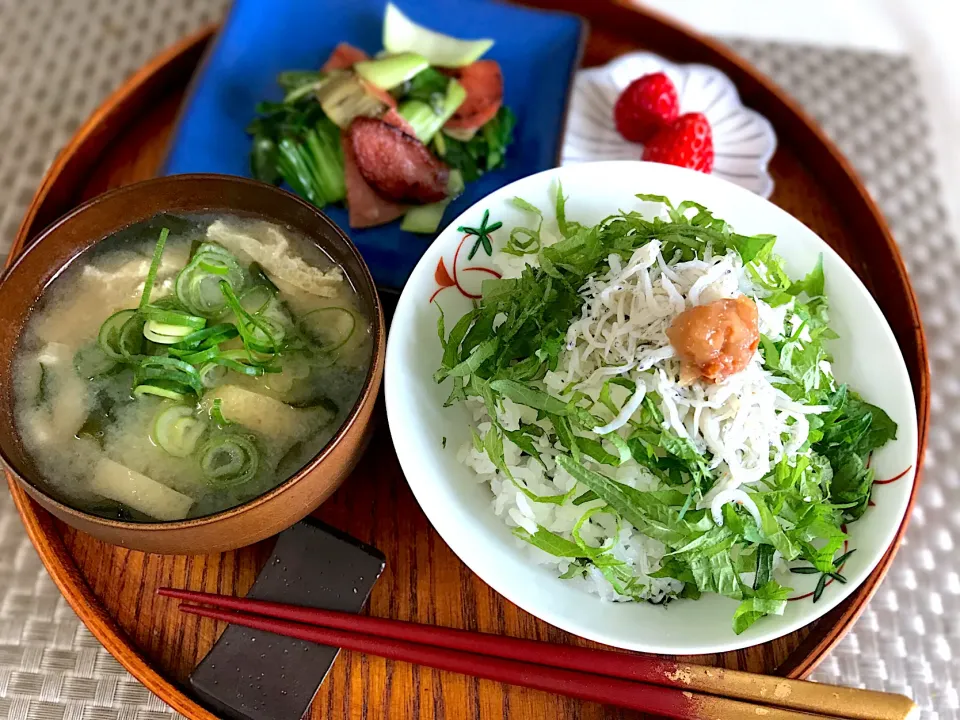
118	482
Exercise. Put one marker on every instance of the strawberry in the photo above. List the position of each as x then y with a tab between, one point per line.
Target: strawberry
687	142
648	103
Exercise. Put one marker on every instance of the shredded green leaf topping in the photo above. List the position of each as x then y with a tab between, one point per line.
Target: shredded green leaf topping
500	351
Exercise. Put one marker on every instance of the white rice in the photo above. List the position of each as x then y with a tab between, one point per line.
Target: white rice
743	425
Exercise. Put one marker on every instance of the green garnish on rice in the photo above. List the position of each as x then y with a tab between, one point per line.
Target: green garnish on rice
630	479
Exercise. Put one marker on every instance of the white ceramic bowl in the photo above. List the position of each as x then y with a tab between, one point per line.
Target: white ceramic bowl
866	355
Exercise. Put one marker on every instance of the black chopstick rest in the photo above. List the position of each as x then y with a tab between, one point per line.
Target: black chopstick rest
255	675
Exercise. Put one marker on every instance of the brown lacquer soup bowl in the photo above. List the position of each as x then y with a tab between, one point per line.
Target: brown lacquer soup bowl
69	240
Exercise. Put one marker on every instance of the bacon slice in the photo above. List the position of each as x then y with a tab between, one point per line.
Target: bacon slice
395	164
483	82
343	57
366	207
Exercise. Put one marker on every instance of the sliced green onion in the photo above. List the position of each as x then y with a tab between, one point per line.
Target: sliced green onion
167	362
154	267
167	379
177	430
266	336
214	268
175	355
244	369
330	327
187	288
209	337
159	389
174	317
245	356
167	302
163	333
213	249
212	374
130	342
318	357
202	356
251	370
258	333
109	337
401	34
242	355
240	361
229	459
169	370
243	361
264	360
256	299
197	285
216	413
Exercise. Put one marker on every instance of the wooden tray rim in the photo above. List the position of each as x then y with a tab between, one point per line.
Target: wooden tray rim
59	563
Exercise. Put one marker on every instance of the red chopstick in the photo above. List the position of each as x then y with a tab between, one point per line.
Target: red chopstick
665	702
601	662
670	689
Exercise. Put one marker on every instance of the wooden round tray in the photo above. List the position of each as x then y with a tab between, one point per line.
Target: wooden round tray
112	589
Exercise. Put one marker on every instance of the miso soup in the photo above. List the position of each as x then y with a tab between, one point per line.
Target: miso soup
187	365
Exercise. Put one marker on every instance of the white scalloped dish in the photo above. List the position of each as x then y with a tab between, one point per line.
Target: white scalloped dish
743	140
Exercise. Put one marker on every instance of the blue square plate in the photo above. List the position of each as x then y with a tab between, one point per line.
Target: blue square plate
538	52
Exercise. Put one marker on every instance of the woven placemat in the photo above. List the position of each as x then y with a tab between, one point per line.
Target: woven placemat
60	58
908	638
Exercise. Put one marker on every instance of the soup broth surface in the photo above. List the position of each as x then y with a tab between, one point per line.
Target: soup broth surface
245	359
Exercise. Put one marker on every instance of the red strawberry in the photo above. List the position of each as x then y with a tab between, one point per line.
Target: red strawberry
648	103
687	142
